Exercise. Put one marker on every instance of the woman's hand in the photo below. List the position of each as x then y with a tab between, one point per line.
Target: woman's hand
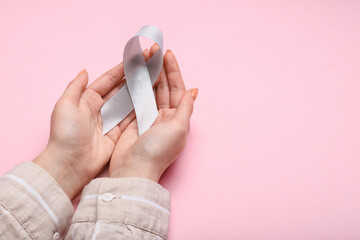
77	150
150	154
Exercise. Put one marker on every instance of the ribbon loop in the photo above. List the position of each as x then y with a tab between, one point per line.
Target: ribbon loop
137	93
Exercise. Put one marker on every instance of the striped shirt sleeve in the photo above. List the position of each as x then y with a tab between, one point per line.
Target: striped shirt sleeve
121	208
32	204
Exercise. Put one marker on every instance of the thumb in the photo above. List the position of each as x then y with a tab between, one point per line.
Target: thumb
76	87
186	106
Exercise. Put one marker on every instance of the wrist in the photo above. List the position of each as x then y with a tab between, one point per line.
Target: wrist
60	171
136	170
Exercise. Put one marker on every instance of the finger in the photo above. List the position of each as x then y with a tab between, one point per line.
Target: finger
162	88
146	54
105	83
175	81
117	131
128	136
108	80
127	120
153	50
186	106
76	87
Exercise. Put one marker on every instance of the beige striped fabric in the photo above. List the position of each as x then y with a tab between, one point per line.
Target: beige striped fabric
33	206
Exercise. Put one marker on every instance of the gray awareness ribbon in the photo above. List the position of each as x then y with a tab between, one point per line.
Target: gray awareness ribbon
140	76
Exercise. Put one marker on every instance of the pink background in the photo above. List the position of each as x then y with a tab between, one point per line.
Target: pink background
274	148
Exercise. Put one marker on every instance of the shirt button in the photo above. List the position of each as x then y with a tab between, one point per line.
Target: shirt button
56	236
107	197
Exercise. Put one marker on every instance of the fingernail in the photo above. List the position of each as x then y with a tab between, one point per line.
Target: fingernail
194	93
146	51
83	71
169	50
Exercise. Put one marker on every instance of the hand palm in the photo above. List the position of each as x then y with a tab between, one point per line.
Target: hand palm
77	149
77	131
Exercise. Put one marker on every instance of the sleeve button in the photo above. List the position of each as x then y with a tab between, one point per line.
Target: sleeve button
107	197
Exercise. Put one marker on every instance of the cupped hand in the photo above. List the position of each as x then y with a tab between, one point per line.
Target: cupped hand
150	154
77	149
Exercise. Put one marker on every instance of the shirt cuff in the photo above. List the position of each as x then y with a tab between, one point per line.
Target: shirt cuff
34	197
138	202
